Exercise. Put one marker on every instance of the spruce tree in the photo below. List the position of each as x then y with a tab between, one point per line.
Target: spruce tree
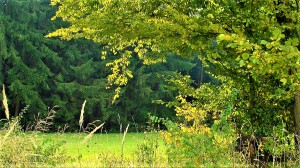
23	68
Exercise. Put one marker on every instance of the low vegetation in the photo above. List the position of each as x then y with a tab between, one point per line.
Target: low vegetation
36	149
217	146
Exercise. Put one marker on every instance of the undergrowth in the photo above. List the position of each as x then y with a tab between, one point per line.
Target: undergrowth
20	149
218	147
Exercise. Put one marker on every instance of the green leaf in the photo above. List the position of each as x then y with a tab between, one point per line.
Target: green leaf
295	42
242	63
245	56
254	60
231	45
221	37
292	86
263	42
269	46
276	32
283	80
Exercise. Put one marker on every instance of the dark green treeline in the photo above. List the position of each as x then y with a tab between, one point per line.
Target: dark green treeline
41	73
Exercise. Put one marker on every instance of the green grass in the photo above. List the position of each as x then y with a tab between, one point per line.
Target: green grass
89	151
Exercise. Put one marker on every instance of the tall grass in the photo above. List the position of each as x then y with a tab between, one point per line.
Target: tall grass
123	141
92	133
81	115
32	149
18	149
5	104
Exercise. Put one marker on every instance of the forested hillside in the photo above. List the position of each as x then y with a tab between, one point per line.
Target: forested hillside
40	73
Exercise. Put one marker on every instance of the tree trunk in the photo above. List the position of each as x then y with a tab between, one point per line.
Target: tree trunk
17	106
252	93
6	6
252	99
201	75
297	118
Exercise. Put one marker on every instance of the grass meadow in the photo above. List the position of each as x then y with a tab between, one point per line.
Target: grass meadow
147	149
93	148
101	146
33	148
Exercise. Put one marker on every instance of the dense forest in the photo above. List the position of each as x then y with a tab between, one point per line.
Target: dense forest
219	80
40	73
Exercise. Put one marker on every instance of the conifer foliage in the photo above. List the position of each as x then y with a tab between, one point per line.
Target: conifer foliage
24	55
40	72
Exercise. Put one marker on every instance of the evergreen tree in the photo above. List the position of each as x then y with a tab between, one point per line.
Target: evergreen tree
139	98
45	72
40	72
23	68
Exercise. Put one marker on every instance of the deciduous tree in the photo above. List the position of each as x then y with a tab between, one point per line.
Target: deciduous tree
255	44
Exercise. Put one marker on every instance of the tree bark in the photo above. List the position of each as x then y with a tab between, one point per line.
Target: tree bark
252	99
17	106
297	118
252	93
201	75
6	6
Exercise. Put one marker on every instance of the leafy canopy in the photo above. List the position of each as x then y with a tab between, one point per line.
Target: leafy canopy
253	43
251	30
